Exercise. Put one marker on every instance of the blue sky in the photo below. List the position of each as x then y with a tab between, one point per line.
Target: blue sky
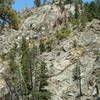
19	4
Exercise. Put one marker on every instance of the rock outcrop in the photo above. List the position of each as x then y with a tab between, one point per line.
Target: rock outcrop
80	51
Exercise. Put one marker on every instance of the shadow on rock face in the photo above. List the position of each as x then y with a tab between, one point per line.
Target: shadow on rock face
98	98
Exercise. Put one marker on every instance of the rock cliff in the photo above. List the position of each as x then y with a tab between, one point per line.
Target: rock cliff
78	52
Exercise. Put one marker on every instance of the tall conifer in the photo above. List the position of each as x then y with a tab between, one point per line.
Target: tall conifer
8	15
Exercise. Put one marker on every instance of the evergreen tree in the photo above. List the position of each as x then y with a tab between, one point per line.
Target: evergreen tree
84	14
76	15
98	8
84	19
80	3
13	73
37	3
92	10
98	12
44	93
68	2
42	46
41	82
28	62
53	1
77	78
35	88
12	63
25	67
7	14
86	9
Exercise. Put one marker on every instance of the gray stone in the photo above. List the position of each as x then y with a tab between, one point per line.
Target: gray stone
36	24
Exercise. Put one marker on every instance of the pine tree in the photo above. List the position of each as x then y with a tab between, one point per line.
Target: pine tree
36	90
98	9
84	19
53	1
12	63
92	11
8	15
25	67
80	3
41	76
32	62
68	2
28	62
77	77
98	12
84	14
86	9
37	3
13	79
42	46
76	15
41	81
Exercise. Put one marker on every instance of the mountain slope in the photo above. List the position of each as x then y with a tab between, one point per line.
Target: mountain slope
80	50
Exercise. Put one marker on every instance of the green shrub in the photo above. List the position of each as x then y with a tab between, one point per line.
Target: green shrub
42	46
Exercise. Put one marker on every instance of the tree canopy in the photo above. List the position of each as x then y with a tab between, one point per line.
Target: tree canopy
37	2
7	14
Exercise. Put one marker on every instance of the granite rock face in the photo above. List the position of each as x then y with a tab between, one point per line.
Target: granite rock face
79	52
84	57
